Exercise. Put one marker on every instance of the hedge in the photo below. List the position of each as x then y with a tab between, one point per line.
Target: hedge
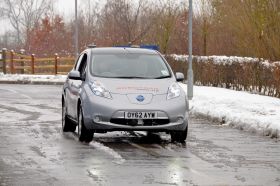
238	73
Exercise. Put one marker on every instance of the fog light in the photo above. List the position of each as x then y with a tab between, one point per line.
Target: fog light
97	119
180	119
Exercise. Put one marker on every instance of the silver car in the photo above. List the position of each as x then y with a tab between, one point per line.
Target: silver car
124	89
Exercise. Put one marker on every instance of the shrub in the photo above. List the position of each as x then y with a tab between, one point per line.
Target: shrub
238	73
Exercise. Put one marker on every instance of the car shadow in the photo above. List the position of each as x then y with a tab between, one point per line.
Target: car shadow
141	138
125	139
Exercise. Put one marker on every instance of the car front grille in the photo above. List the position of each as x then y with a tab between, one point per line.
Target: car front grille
134	122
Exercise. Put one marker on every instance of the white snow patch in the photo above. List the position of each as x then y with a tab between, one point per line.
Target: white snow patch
118	158
225	60
11	162
243	110
33	78
10	116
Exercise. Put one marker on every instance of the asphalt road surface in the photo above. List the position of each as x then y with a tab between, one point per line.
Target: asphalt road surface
34	151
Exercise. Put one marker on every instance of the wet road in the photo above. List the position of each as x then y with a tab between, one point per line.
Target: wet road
34	151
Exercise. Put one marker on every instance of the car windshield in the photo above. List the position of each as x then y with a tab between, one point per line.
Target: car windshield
142	66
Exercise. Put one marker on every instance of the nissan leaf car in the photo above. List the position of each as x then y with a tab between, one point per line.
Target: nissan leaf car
123	89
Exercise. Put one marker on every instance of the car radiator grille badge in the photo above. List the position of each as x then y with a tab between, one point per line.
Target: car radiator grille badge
140	98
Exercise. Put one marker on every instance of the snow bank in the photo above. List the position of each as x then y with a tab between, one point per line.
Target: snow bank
26	78
250	112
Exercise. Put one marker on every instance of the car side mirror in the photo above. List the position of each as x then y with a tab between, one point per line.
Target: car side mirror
75	75
179	76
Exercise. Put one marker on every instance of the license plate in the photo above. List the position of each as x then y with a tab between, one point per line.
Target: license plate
140	115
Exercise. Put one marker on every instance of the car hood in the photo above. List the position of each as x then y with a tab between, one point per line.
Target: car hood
135	86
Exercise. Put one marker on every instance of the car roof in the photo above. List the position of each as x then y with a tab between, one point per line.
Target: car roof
121	50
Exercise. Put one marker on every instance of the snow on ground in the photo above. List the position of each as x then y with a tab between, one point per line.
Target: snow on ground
32	78
250	112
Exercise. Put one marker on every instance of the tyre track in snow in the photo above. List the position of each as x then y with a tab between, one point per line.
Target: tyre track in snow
32	114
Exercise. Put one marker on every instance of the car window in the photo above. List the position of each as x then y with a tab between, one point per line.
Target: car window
129	65
83	65
78	62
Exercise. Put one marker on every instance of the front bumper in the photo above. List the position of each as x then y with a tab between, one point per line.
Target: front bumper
172	114
108	126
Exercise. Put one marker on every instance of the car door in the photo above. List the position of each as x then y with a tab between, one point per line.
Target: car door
68	90
75	86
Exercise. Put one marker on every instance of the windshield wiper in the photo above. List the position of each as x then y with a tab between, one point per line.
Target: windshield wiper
162	77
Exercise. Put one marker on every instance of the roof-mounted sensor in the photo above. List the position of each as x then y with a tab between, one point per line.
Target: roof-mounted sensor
92	46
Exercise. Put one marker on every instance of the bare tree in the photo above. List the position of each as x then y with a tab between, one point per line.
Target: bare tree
205	15
88	23
24	15
167	23
247	28
123	21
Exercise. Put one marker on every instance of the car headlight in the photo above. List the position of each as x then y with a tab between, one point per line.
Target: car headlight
99	90
173	91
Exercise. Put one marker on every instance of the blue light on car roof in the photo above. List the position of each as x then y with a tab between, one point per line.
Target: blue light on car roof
151	47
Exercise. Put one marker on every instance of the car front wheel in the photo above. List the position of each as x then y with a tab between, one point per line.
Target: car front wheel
67	125
179	136
85	135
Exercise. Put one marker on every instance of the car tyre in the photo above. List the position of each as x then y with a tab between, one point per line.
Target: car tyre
85	135
67	124
179	136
